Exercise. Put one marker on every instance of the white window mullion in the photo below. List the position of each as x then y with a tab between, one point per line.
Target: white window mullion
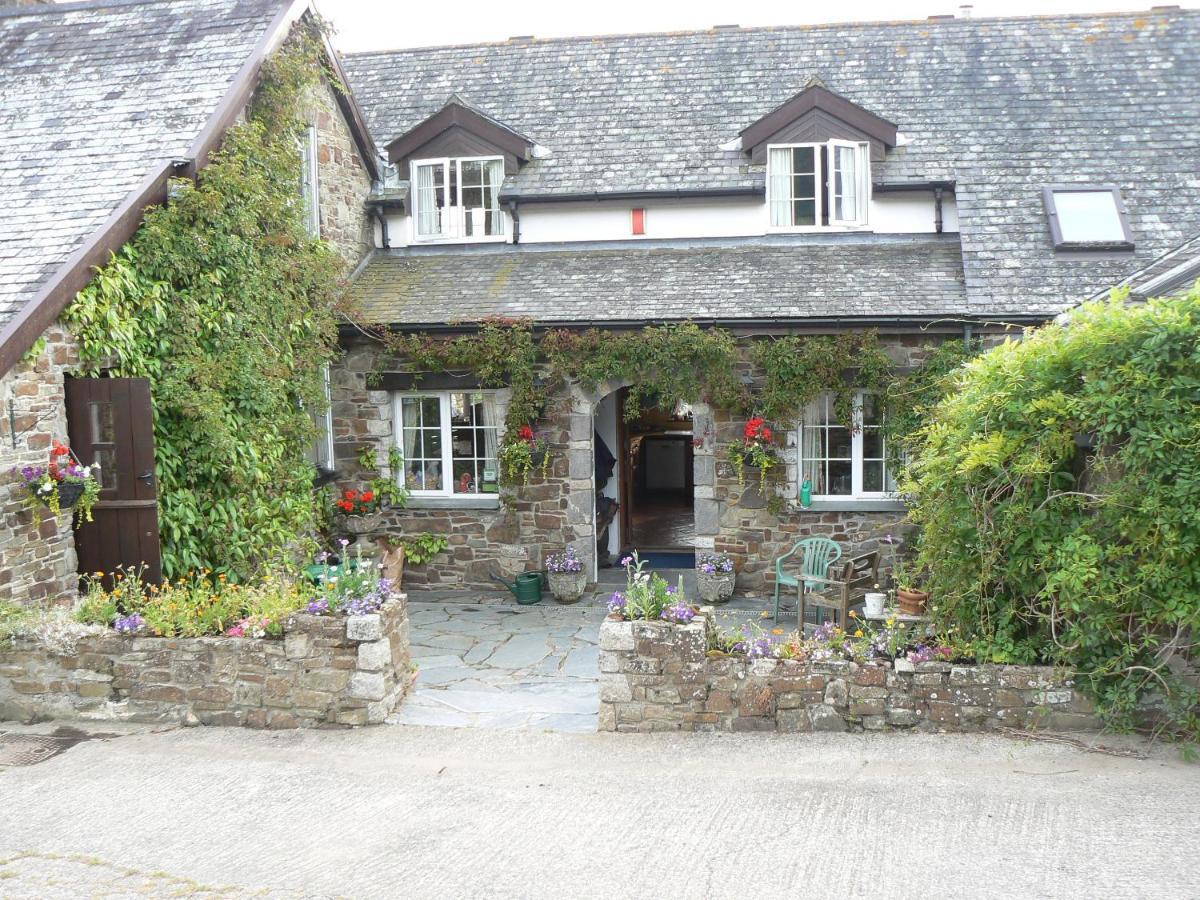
856	449
818	186
447	448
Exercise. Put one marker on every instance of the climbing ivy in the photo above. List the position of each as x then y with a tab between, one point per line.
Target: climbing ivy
226	304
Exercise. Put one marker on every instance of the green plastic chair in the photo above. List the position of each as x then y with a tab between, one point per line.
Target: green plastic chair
819	554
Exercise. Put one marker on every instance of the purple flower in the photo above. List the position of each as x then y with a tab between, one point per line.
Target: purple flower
345	542
627	561
680	613
564	562
129	624
322	556
617	602
318	607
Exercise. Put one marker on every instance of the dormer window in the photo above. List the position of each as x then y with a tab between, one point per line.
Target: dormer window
818	185
458	199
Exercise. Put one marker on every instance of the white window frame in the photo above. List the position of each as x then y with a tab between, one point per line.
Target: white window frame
310	182
864	188
456	234
325	439
856	460
445	414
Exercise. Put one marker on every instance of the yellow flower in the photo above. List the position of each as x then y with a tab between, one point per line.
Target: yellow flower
858	633
98	574
776	631
764	615
854	614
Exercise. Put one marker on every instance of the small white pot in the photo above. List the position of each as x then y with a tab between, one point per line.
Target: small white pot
874	603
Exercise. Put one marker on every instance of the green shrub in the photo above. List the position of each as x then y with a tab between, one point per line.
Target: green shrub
1048	552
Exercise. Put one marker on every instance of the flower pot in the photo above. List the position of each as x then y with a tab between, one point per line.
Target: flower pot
752	495
364	524
69	493
716	587
912	602
567	587
874	603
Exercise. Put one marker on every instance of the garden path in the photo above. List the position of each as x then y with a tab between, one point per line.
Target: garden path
486	662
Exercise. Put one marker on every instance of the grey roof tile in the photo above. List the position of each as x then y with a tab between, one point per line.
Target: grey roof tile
702	280
91	98
1001	106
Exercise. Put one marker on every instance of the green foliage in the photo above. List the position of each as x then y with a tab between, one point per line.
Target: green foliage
1042	557
908	399
227	305
663	364
12	618
423	547
797	369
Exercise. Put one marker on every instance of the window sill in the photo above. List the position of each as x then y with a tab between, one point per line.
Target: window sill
439	241
877	504
469	501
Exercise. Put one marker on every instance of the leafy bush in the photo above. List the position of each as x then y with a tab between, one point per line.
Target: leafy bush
1045	551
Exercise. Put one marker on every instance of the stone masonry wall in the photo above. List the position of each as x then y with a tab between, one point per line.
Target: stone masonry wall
656	676
343	182
554	511
37	562
327	670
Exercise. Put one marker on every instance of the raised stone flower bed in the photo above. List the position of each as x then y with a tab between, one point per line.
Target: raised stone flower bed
656	676
341	670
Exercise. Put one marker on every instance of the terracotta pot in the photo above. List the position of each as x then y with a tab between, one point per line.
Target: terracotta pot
912	603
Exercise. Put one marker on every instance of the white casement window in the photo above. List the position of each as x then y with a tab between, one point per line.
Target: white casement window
324	445
309	184
841	462
813	186
448	441
458	199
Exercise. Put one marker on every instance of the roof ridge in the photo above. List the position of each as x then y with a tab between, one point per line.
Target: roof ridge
812	26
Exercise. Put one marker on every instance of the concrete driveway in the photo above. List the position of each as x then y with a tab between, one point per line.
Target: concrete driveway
415	812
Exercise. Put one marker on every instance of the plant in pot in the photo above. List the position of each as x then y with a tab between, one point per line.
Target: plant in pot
62	484
757	452
520	454
715	577
911	599
564	572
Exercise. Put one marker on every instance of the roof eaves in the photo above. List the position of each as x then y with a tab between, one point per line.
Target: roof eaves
458	112
22	330
816	96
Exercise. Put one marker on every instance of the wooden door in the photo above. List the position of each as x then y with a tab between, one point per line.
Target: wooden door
110	421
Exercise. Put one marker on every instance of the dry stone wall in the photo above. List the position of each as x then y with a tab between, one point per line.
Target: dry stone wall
656	676
327	670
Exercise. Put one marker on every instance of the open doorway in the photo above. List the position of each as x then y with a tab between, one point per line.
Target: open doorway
652	484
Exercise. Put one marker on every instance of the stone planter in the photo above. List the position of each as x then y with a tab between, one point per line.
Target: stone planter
364	524
874	602
567	587
715	588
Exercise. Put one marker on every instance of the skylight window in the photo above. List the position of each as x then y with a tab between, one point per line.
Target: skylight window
1087	217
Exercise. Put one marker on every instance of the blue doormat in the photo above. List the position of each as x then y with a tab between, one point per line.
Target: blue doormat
657	560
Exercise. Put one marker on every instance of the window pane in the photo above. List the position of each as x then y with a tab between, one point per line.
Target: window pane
872	443
430	198
421	443
1088	216
474	443
839	478
839	443
805	212
873	475
803	159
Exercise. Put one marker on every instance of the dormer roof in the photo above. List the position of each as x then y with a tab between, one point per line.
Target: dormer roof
460	128
817	114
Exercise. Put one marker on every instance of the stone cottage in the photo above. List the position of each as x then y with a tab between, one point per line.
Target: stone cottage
928	179
102	104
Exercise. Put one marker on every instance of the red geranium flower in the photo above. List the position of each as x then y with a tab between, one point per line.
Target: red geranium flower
368	496
350	495
59	450
766	434
526	433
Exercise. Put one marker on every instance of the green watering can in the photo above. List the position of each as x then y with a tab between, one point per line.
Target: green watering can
527	588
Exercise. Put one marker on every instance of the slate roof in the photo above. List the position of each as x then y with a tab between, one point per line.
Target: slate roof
1002	107
92	98
699	280
1172	273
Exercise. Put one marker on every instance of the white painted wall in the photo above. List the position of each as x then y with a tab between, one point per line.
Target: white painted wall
898	213
605	423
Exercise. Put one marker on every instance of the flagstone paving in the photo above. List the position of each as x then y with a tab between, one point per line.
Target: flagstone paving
494	664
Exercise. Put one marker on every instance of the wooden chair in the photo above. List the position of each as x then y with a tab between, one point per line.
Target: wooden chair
854	578
819	554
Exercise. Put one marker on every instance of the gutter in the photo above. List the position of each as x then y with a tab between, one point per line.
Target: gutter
950	322
43	309
597	196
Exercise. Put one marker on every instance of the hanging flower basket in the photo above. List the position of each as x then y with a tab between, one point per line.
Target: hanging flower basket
63	484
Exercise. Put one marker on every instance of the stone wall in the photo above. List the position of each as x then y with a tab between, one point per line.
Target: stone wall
37	562
327	670
554	511
343	182
656	676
